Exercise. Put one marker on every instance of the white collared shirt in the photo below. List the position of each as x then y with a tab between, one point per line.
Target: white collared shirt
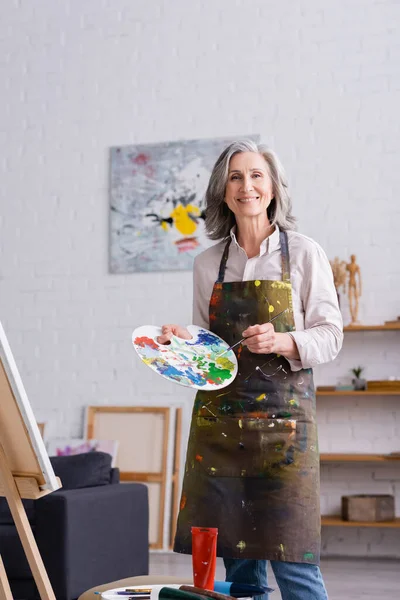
318	320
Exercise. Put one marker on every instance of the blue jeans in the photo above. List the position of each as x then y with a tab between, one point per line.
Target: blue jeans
296	581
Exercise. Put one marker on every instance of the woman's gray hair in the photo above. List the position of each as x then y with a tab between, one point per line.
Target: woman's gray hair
219	218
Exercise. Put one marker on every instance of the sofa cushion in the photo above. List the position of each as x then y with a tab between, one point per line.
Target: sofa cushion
76	471
83	470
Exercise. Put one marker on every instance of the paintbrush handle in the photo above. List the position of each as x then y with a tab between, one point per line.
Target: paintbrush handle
207	593
278	315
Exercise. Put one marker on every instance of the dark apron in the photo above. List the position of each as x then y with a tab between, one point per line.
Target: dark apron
252	465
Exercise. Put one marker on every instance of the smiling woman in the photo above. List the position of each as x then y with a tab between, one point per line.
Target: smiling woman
252	467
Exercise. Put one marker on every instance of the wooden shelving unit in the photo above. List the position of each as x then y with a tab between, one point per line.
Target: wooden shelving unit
372	328
327	457
356	393
337	521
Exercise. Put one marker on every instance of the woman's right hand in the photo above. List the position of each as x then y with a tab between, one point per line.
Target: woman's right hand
169	330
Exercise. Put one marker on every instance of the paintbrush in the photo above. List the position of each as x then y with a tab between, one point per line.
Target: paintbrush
242	340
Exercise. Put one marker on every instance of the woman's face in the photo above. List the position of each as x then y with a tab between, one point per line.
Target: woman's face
249	190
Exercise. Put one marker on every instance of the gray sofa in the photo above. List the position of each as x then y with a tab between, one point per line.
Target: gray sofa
91	531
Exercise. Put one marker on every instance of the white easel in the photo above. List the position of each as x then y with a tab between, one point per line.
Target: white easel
25	468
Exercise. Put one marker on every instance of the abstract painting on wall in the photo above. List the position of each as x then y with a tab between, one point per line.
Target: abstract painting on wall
157	203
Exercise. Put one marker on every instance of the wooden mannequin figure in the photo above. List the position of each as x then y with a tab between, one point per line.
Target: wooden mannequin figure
355	287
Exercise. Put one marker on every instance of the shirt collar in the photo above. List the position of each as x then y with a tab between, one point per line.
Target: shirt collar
271	243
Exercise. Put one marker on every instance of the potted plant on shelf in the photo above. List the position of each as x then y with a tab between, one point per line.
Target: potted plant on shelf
358	382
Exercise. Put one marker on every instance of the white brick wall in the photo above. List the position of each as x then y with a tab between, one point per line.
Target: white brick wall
319	82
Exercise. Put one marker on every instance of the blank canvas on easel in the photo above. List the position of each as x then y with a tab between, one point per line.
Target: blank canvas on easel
25	468
19	433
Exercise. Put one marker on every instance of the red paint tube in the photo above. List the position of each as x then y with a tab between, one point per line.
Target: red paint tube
204	556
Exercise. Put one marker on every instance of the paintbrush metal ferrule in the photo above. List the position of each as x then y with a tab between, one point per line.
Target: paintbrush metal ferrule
231	347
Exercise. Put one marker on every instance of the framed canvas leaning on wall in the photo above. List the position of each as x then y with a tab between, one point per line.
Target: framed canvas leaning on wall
149	439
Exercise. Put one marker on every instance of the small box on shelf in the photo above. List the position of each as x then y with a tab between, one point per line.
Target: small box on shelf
366	507
395	322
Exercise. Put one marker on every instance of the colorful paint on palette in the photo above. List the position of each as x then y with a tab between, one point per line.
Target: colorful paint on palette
201	362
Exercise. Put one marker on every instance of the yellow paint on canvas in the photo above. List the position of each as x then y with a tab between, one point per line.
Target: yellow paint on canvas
182	221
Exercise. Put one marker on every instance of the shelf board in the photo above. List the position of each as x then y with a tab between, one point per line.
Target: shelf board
360	393
337	521
372	328
358	457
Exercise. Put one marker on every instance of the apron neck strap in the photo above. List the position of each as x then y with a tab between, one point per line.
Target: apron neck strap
222	265
283	238
285	260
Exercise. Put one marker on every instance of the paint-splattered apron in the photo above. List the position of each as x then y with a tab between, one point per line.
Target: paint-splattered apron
252	466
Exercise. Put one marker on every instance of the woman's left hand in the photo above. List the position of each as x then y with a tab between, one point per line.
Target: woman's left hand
261	339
